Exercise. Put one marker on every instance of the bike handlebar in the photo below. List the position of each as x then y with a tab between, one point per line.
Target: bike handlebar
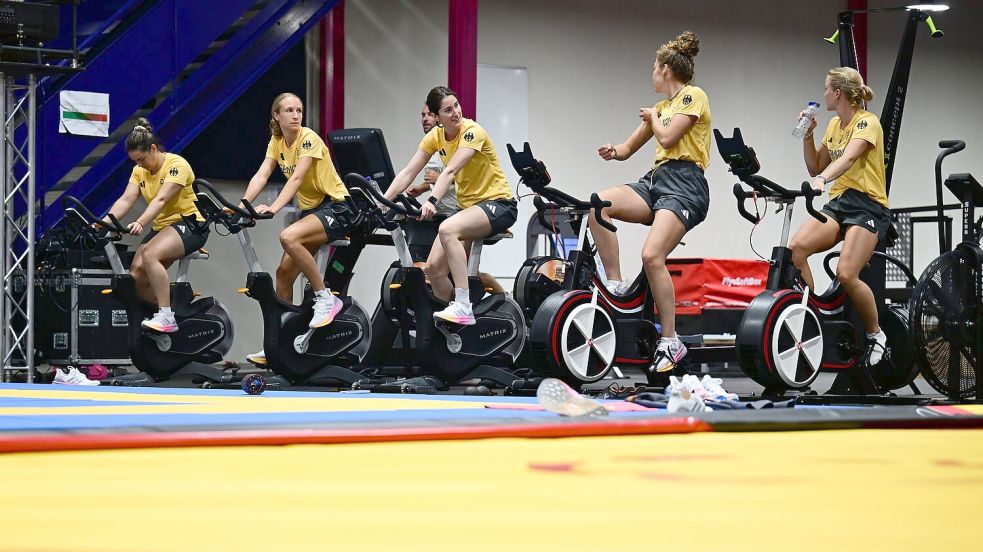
809	193
597	204
72	202
405	206
775	191
248	213
954	145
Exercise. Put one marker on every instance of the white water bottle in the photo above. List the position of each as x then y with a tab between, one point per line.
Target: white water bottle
802	127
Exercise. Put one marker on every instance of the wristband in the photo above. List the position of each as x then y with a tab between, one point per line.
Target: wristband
433	200
825	182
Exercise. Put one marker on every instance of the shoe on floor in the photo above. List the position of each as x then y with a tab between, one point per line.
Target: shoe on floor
682	400
326	307
163	323
72	376
257	358
456	313
715	389
559	398
668	354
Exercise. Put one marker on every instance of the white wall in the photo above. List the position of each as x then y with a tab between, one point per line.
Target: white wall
589	66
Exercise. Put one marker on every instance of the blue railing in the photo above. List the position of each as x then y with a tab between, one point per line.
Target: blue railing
193	103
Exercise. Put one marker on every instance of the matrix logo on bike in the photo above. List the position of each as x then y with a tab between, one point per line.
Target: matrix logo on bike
339	335
492	333
748	281
202	333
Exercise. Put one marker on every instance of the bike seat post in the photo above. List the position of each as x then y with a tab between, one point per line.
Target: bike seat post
113	256
185	263
248	251
182	269
323	254
787	223
475	259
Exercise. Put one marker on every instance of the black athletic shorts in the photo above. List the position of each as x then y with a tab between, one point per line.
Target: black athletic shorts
855	208
678	186
326	213
501	213
192	241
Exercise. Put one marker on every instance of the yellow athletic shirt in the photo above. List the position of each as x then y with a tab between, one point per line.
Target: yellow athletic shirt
867	175
695	144
481	179
321	180
174	169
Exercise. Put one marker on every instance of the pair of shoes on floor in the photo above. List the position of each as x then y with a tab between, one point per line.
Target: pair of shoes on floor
684	400
708	389
72	376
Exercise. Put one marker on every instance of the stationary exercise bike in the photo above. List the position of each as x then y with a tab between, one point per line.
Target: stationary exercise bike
447	353
579	330
324	356
788	334
947	306
204	332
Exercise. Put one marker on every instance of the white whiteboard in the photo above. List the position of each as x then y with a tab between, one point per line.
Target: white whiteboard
503	111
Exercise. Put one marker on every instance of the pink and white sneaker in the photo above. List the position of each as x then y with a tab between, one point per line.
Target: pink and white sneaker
326	307
163	323
667	354
456	313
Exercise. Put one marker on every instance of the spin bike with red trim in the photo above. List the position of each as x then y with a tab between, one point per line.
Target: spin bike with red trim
579	331
788	334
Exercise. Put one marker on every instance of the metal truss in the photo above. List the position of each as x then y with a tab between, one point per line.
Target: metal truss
18	108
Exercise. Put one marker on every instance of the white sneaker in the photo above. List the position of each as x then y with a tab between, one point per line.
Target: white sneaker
326	307
559	398
257	358
876	347
72	377
715	389
456	313
163	323
668	354
617	287
682	400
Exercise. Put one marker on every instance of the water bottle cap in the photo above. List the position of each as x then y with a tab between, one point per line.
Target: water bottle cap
813	104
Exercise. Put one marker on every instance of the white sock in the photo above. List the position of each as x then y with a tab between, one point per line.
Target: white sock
462	296
166	311
326	292
875	335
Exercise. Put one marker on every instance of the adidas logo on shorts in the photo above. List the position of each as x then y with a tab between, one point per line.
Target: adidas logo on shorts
871	223
686	213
